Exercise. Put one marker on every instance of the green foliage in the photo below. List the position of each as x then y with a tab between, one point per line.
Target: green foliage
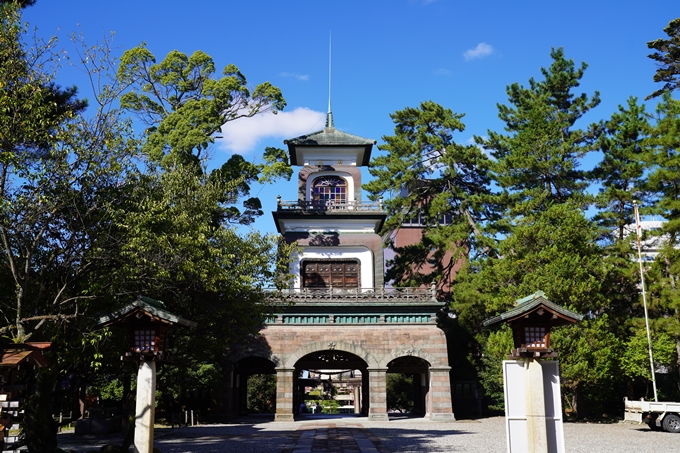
39	429
261	393
667	57
61	175
635	358
431	178
589	365
184	105
622	169
496	349
537	161
399	392
664	165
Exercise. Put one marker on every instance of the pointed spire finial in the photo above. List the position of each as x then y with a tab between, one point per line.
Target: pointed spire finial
329	116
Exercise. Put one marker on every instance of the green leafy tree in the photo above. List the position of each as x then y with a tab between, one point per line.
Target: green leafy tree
634	362
664	180
621	172
549	244
667	56
261	394
59	175
538	159
589	366
399	392
438	182
184	105
497	347
622	177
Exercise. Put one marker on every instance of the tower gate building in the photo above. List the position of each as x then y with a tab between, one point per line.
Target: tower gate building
340	314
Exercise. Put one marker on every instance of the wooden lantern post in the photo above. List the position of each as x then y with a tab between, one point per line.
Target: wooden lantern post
148	322
531	320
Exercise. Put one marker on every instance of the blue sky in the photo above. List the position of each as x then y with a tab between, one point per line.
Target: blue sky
387	55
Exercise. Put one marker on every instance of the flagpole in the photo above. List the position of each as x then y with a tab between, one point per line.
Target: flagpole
638	229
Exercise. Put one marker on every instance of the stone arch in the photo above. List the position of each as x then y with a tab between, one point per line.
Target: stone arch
345	346
409	351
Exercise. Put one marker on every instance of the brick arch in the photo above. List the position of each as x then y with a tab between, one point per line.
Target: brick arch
409	351
345	346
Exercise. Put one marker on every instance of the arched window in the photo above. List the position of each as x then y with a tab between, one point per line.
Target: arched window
327	190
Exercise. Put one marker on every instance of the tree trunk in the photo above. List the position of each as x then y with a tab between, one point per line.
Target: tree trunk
580	403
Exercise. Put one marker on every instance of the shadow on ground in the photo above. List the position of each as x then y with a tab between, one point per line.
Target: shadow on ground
260	434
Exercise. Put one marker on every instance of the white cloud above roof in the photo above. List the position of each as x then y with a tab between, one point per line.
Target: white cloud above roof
295	75
243	135
482	50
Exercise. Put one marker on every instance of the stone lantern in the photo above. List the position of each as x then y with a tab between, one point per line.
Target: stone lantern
531	320
148	322
533	404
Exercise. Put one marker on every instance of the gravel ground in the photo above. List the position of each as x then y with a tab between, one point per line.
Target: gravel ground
398	436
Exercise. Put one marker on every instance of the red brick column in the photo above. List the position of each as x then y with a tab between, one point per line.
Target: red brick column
284	395
439	396
377	387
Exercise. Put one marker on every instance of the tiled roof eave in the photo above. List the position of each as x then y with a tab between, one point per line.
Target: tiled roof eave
528	307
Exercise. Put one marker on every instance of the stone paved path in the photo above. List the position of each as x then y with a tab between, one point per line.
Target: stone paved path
335	439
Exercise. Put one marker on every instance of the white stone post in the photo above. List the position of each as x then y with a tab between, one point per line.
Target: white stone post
146	404
537	432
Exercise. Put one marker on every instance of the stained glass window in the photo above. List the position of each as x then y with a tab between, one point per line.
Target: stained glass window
329	190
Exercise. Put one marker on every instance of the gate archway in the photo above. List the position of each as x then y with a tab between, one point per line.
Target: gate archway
414	371
243	370
342	376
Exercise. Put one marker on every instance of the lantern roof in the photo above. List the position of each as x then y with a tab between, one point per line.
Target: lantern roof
144	306
15	354
531	304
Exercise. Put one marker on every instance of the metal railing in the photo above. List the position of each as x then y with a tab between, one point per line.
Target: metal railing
356	294
313	205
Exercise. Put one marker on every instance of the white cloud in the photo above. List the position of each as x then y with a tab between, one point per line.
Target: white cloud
243	134
482	50
295	75
442	72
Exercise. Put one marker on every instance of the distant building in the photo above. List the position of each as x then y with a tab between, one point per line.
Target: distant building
652	242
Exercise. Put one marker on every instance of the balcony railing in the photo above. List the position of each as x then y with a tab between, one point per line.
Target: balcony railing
356	294
306	205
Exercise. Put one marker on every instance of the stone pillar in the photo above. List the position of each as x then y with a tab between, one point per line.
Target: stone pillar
284	395
357	399
535	398
439	395
420	393
226	396
243	393
236	394
377	381
365	399
146	403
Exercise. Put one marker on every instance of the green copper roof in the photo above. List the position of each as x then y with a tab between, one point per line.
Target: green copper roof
153	307
329	136
530	303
